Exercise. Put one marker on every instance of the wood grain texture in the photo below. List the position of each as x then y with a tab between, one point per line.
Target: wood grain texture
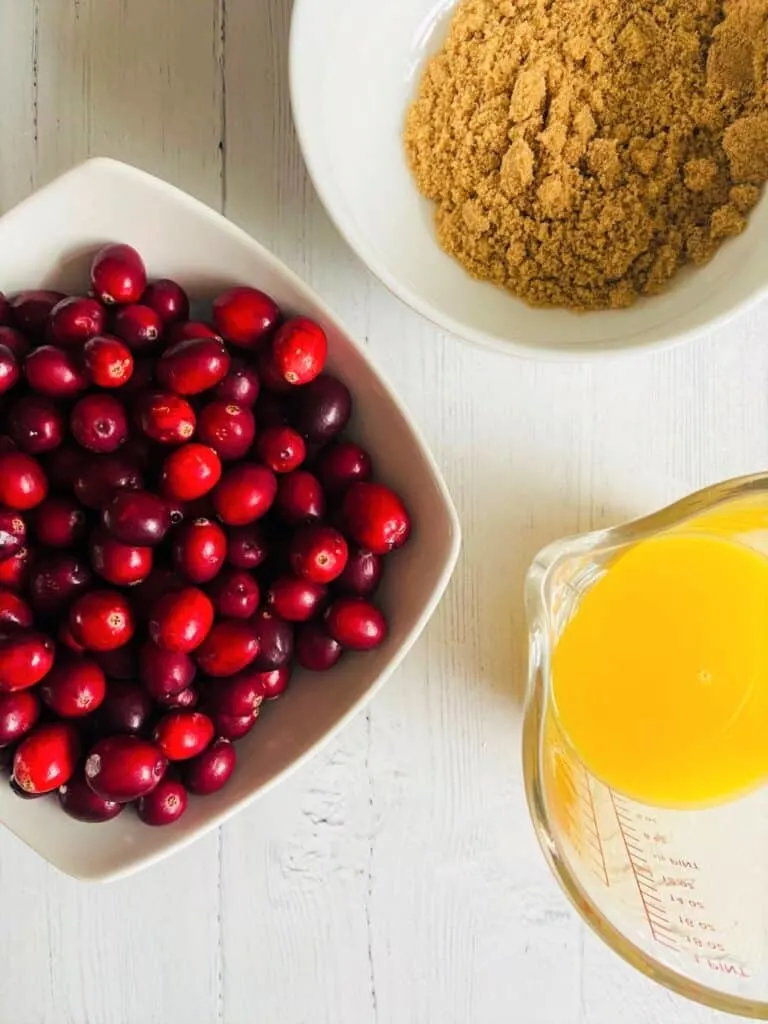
396	879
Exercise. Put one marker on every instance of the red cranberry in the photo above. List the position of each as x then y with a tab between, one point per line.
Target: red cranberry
299	498
74	687
55	580
18	714
78	800
322	409
241	385
199	549
124	768
183	734
119	663
192	366
138	326
229	429
247	547
318	553
22	481
281	448
25	658
15	613
342	464
238	695
211	770
164	805
181	620
165	417
232	727
122	565
245	316
184	700
108	361
362	573
55	372
63	464
98	423
168	300
30	310
10	373
36	424
136	518
13	533
271	684
101	620
126	708
275	640
164	673
46	758
99	477
118	275
75	320
190	472
299	351
14	571
15	341
230	647
245	493
235	594
270	410
375	517
295	600
355	623
315	649
188	329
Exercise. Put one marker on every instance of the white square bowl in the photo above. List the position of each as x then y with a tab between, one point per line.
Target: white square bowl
47	241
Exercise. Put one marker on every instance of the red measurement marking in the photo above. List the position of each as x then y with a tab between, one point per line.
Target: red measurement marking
593	813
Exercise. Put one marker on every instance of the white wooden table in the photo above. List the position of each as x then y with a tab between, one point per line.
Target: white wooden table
396	879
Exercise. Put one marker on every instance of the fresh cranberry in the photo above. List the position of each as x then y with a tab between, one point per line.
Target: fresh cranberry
19	712
165	417
184	700
124	768
46	758
235	594
199	549
318	553
101	620
30	310
232	727
322	409
55	372
295	600
164	673
271	684
183	734
190	472
247	546
98	423
355	623
13	532
342	464
188	329
25	658
74	687
14	571
245	493
119	663
78	800
210	771
315	649
230	646
56	579
138	326
118	276
181	619
229	429
275	637
10	373
164	805
36	424
22	481
192	366
136	518
241	384
270	410
362	573
15	341
299	351
127	708
375	517
122	565
99	477
168	299
75	320
281	448
15	613
108	361
299	498
245	316
238	695
63	464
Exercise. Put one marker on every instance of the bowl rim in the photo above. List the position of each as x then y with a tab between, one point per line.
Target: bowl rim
629	346
111	168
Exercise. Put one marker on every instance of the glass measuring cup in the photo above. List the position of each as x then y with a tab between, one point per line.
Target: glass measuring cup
682	895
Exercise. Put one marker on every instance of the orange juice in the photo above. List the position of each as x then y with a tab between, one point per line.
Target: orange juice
660	679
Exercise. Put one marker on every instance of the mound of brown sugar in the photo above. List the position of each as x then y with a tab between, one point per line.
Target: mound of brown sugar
581	151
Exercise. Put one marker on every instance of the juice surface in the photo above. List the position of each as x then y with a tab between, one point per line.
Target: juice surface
660	679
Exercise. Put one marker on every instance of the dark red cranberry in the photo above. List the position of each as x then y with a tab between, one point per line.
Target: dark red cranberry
271	684
238	695
18	714
55	372
98	423
101	620
124	768
168	299
355	623
160	581
164	673
275	640
281	448
13	532
75	320
342	464
22	481
315	649
269	375
36	424
55	580
185	699
164	805
165	417
229	429
230	646
199	549
78	800
190	472
30	310
295	600
245	316
235	594
270	410
138	326
299	351
300	498
99	477
122	565
188	329
362	573
127	708
247	546
74	687
241	384
119	663
181	619
183	734
14	572
136	517
108	361
318	553
375	517
15	613
10	373
15	341
244	493
232	727
46	758
211	770
192	366
63	464
118	276
25	658
322	409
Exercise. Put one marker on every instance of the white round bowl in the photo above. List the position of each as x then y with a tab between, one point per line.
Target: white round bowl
355	66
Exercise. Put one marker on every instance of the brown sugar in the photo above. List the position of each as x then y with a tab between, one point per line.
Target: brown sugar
580	152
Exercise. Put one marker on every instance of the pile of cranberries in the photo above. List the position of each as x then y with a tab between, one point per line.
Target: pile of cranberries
181	522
